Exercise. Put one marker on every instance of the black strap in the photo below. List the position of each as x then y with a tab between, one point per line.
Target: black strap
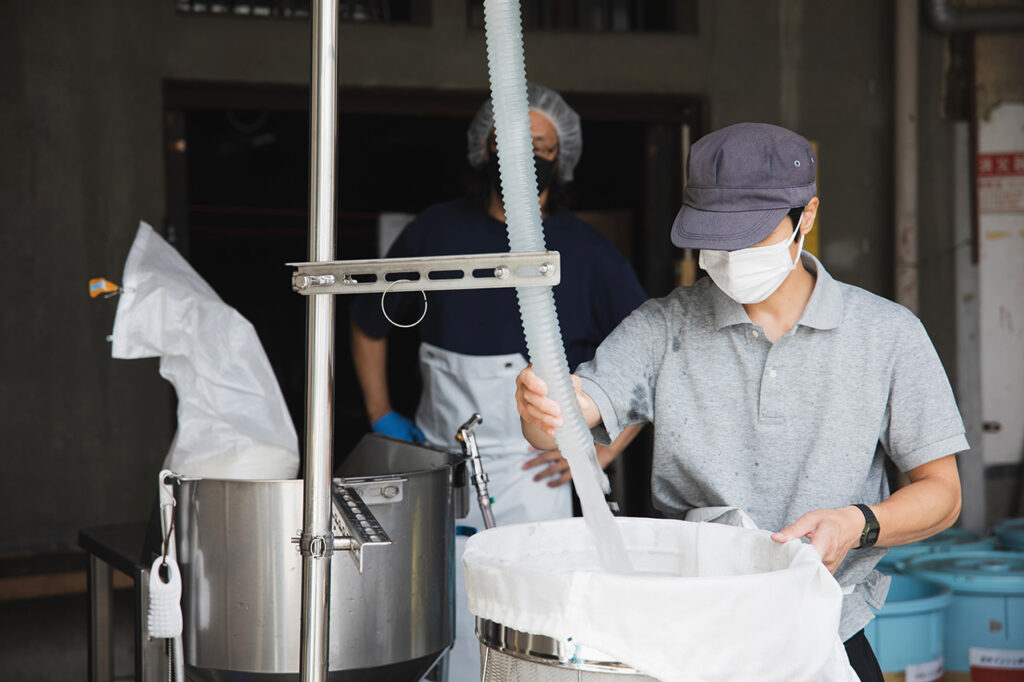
869	535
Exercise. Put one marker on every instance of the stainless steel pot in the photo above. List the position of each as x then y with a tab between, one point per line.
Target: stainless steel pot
241	571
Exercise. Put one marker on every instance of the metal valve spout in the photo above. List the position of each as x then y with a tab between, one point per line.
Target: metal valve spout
478	475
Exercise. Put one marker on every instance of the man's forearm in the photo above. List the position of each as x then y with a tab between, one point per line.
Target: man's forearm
928	505
369	356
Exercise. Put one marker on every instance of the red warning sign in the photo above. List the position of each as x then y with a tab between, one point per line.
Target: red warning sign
1001	182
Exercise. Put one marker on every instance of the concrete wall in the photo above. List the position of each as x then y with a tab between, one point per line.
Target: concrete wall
82	162
81	165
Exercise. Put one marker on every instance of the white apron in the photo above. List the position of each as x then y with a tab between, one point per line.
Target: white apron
454	387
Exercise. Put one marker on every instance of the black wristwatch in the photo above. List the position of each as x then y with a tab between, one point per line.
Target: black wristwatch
868	536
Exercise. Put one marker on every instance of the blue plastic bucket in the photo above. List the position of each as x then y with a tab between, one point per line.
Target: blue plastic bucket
951	540
908	631
1010	535
985	621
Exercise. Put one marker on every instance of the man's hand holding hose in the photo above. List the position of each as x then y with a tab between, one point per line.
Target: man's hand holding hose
540	415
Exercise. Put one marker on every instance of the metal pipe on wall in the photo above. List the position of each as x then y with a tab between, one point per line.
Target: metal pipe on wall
317	541
944	17
968	326
905	152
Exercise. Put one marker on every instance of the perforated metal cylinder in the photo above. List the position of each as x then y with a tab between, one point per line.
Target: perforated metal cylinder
496	666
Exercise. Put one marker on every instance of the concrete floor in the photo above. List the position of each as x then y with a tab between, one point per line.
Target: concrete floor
46	640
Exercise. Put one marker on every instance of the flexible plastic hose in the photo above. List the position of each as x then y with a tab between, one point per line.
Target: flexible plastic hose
506	64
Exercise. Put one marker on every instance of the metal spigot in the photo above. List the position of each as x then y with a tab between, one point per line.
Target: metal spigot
479	477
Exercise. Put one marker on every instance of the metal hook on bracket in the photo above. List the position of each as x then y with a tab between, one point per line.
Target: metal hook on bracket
167	505
388	318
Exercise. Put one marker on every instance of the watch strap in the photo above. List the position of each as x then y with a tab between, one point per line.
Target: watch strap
869	535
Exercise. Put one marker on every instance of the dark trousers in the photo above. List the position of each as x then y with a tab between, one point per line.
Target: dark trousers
862	658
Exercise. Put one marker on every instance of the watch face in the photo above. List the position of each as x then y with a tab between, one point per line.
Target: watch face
871	535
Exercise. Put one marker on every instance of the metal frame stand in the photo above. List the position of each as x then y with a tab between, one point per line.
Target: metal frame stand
101	620
121	548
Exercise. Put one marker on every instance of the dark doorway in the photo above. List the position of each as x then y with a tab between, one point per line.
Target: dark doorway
238	182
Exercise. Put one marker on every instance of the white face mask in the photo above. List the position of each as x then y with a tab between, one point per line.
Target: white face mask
753	274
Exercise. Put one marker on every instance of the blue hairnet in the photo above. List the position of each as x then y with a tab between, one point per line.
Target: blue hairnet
546	101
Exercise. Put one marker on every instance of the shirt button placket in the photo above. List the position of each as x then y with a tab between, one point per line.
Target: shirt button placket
770	387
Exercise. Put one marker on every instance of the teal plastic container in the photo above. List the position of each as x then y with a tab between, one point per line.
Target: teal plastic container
987	611
1010	535
910	627
951	540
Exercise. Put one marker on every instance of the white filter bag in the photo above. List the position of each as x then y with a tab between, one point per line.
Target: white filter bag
232	418
709	602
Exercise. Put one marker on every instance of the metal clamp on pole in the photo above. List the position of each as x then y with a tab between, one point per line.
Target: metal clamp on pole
479	476
430	273
316	546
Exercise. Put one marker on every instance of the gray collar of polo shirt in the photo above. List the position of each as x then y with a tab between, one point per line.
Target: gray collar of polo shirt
824	309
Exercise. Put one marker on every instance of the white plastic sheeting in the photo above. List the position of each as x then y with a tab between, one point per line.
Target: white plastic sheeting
232	418
709	602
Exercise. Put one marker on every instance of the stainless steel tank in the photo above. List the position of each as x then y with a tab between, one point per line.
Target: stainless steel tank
241	571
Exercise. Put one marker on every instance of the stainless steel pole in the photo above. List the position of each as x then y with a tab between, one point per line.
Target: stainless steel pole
317	541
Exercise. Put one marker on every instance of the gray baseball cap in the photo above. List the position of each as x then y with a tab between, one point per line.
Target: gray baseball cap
742	180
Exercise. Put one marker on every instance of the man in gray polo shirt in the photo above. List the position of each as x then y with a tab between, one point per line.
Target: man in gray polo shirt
771	386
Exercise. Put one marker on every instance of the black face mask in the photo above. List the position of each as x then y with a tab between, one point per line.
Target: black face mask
545	173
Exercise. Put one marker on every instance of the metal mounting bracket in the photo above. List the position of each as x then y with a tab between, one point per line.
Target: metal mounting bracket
355	526
432	273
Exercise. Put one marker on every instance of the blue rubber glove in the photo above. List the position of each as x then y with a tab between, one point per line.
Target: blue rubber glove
396	426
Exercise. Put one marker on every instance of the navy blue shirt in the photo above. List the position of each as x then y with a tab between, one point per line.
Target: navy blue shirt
598	288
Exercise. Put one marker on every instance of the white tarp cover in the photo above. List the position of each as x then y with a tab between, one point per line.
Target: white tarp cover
728	603
232	418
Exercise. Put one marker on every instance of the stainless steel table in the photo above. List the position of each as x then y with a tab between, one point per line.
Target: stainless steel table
120	547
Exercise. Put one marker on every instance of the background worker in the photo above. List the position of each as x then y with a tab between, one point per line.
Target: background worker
771	386
472	343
